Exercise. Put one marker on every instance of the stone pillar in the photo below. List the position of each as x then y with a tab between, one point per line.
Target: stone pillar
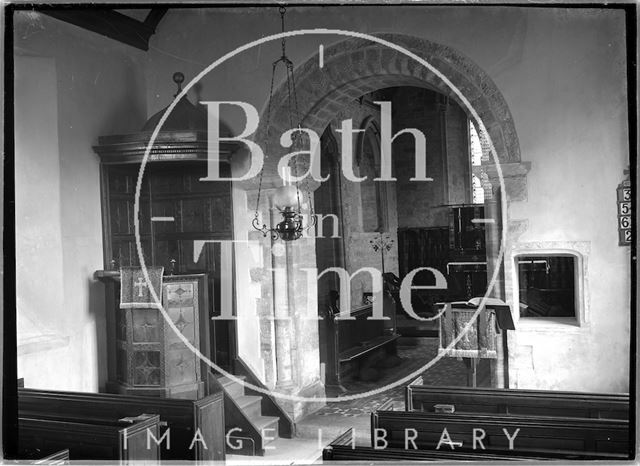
514	176
275	284
281	310
493	240
441	107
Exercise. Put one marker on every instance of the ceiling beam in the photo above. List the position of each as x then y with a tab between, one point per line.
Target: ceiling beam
154	17
113	24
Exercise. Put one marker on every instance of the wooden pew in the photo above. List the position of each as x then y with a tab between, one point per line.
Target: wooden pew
89	438
568	438
351	341
184	418
518	402
343	449
36	456
59	457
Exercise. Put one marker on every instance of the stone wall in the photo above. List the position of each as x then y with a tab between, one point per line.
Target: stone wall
71	87
358	249
444	123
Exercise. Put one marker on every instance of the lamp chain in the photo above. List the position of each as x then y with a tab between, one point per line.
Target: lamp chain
292	101
273	73
283	10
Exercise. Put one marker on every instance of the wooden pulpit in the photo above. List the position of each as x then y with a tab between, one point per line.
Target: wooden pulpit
176	211
151	356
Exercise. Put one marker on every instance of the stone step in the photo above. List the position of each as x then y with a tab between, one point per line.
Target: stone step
267	426
415	328
410	322
409	342
233	388
250	405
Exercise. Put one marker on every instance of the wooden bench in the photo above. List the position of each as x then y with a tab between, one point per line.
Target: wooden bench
184	418
59	457
550	437
89	438
35	456
343	449
350	341
518	402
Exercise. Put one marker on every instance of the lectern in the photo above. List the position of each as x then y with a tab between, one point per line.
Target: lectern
472	334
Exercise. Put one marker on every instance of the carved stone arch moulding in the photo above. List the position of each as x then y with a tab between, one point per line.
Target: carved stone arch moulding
354	67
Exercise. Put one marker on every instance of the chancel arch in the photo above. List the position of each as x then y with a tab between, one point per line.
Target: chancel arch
353	68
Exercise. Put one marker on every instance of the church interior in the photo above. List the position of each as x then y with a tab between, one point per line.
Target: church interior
320	233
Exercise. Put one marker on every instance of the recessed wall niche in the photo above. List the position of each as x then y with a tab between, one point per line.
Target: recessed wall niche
549	281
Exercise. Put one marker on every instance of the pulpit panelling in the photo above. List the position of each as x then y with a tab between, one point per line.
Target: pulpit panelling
152	358
175	209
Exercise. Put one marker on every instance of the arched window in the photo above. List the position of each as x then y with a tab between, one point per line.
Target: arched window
479	153
478	190
372	193
475	146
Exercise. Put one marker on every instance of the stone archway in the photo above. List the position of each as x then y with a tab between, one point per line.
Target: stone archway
355	67
352	68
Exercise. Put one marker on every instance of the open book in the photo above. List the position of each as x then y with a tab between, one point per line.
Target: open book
502	309
473	303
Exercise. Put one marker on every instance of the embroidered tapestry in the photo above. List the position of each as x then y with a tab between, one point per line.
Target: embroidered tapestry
134	289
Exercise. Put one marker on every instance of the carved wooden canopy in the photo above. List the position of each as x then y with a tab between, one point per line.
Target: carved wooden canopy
182	137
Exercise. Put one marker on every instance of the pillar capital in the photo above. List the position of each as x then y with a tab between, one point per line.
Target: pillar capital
514	175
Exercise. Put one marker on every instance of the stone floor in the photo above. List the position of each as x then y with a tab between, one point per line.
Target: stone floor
447	371
336	417
284	452
319	429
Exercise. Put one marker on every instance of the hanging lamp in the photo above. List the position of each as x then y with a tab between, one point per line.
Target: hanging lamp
287	197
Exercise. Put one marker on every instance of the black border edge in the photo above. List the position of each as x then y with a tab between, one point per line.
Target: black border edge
631	17
9	431
9	350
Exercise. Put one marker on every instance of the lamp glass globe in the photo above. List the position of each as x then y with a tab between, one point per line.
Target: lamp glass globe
285	196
